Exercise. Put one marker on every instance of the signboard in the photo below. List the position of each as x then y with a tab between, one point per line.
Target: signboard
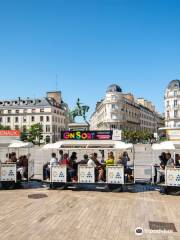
59	173
8	172
173	134
117	135
9	133
86	135
30	169
86	174
173	176
115	174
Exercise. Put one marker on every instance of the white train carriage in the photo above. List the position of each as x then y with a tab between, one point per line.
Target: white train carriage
115	174
8	170
171	174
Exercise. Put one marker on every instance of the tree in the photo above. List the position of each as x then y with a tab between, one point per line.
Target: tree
24	136
35	133
136	136
5	127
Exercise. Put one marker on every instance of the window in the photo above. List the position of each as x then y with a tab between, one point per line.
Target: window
54	111
16	119
175	93
47	119
33	110
167	103
17	111
1	111
167	114
9	111
8	119
32	119
16	127
0	119
24	128
114	106
41	110
175	113
48	129
25	111
175	103
114	116
41	118
113	98
24	119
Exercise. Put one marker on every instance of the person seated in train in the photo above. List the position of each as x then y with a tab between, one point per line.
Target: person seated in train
99	170
110	160
102	155
177	160
11	157
60	156
22	168
8	158
123	160
170	160
161	174
65	159
163	160
73	161
91	162
53	162
84	160
70	170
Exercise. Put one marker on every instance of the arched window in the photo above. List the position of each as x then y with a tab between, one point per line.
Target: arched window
48	139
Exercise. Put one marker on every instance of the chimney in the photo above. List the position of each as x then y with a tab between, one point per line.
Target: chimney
56	95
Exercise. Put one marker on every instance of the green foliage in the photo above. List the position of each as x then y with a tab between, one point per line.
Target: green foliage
4	127
35	133
24	136
136	136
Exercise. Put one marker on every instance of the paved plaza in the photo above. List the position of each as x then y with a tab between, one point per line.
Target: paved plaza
81	215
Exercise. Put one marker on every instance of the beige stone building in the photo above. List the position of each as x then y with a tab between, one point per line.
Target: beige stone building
122	111
51	112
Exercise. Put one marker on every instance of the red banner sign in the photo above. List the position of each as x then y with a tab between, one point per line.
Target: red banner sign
9	133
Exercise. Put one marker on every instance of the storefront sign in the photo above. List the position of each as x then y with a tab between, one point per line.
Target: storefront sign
173	135
9	133
87	135
117	135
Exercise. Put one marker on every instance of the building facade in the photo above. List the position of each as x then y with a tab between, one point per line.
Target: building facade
108	113
51	112
172	104
121	111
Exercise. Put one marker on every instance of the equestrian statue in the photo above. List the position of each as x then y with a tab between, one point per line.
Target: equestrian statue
79	110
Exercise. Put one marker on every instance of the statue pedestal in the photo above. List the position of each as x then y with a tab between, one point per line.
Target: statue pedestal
78	126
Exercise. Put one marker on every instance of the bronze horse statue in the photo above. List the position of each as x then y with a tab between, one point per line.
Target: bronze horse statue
80	110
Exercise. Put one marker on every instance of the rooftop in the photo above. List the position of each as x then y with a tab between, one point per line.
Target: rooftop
113	88
174	84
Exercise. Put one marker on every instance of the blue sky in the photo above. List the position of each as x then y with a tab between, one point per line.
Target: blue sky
89	44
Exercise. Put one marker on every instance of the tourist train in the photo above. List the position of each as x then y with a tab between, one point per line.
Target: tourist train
89	164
